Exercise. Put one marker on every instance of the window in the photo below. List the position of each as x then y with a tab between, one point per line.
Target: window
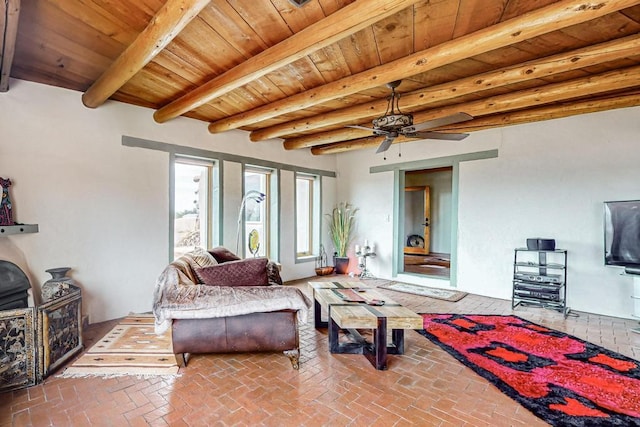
306	217
196	205
304	206
258	193
194	221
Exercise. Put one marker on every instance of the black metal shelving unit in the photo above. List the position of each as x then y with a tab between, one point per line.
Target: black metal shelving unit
540	279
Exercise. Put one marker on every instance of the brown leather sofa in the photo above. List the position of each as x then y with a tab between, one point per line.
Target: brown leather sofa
255	332
265	317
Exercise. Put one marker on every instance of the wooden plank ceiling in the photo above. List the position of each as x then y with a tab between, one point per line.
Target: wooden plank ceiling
305	73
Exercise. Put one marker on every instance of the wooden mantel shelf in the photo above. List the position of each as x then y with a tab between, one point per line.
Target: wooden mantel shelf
6	230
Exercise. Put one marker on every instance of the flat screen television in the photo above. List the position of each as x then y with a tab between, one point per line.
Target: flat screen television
622	235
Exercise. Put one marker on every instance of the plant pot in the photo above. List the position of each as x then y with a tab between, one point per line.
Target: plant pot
342	264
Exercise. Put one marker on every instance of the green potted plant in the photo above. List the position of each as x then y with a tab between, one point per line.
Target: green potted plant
341	223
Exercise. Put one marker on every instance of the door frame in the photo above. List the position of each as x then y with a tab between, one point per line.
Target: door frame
399	232
399	170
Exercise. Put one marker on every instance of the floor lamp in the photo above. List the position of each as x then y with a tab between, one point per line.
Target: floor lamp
251	195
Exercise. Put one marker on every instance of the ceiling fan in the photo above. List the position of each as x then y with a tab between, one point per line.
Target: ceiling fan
395	123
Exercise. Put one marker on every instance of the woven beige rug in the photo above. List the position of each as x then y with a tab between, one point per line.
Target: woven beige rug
130	348
443	294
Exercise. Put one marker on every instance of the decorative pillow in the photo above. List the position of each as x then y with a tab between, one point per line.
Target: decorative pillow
273	274
244	272
223	254
184	267
199	258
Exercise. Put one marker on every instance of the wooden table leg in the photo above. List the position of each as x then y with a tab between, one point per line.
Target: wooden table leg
317	315
377	355
397	337
335	347
334	344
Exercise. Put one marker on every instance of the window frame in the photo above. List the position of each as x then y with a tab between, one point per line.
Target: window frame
220	159
314	216
308	251
213	221
268	206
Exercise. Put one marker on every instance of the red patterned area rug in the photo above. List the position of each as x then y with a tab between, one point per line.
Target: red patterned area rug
560	378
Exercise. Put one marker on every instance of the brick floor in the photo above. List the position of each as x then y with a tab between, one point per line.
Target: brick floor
425	386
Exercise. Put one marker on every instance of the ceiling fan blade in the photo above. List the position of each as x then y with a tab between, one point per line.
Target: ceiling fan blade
442	121
388	140
437	135
360	127
376	132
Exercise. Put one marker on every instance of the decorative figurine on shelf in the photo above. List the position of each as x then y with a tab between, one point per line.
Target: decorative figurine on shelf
363	252
6	217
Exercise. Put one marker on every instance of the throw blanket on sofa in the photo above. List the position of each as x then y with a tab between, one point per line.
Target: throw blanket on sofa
175	301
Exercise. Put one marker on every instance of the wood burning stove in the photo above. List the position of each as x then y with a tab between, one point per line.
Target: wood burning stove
14	287
34	341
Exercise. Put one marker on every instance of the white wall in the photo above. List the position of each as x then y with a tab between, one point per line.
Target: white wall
287	233
102	208
372	194
549	180
232	188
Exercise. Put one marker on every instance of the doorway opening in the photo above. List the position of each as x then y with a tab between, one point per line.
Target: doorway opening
427	214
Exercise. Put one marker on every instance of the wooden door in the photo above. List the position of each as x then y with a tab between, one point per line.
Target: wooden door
417	214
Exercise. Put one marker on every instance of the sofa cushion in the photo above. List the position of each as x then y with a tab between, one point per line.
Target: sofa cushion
185	271
222	254
199	258
244	272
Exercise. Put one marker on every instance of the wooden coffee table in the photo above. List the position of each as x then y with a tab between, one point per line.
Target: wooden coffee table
317	286
348	315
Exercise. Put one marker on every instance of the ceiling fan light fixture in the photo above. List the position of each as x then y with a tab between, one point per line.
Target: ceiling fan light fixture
299	3
393	121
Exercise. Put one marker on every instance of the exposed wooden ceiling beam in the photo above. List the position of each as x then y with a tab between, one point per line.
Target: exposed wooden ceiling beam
555	111
536	69
342	23
556	92
165	25
10	12
553	17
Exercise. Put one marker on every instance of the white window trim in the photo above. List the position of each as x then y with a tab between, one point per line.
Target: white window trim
213	211
315	213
